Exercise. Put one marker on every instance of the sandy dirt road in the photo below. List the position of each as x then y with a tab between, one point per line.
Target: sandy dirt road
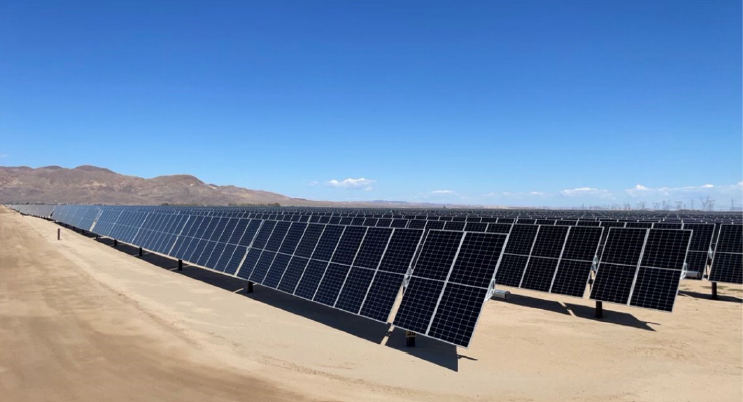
82	321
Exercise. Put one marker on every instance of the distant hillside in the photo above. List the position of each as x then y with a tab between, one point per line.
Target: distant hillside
93	185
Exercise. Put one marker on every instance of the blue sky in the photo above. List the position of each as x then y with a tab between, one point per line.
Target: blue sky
531	103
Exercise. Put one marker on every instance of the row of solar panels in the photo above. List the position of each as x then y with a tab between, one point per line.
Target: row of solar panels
524	217
472	224
697	258
361	269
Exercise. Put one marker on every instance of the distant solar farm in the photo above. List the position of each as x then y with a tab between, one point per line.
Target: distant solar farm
430	272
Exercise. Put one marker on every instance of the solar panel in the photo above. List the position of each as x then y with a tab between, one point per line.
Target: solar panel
448	286
641	267
727	263
516	254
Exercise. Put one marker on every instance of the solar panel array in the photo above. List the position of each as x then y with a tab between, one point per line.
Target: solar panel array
641	267
727	265
358	260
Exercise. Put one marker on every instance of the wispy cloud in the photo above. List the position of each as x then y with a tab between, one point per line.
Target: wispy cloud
587	192
685	191
313	183
350	183
442	192
516	194
3	155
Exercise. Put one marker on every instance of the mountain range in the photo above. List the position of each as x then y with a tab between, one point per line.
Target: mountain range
88	184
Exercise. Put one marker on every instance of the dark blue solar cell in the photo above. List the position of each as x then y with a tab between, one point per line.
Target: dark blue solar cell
292	275
328	242
418	304
251	260
381	297
233	263
521	239
477	259
354	290
277	270
263	234
250	233
204	257
311	278
436	257
225	257
613	283
400	251
348	245
261	268
293	236
331	284
511	269
239	230
215	255
228	229
372	248
309	240
277	236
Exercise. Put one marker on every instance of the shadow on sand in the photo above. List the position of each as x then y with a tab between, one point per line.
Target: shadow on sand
585	312
721	296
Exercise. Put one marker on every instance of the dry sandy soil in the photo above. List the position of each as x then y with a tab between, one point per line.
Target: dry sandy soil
82	321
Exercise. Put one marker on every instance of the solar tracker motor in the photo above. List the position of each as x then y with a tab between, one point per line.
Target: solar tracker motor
694	274
501	294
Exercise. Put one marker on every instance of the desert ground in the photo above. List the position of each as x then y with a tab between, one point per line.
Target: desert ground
83	321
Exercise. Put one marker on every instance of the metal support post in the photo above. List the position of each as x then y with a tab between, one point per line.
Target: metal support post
599	309
59	234
409	339
249	289
140	251
180	265
116	242
714	290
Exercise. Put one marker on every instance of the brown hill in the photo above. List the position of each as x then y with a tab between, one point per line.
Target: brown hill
94	185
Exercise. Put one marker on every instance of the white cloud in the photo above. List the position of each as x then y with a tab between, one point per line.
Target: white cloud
587	192
442	192
350	183
516	194
685	191
313	183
